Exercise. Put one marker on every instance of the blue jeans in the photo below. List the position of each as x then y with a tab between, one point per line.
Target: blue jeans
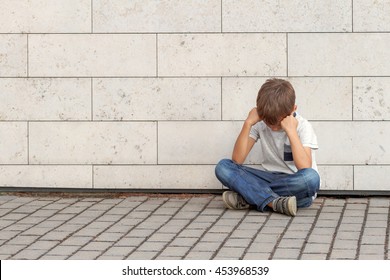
259	187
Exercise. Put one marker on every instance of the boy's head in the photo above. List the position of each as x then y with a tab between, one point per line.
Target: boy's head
275	101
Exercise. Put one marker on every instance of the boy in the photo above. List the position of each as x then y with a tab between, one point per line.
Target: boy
289	178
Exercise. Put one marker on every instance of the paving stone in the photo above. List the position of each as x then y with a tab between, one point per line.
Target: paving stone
237	242
332	209
264	237
284	253
42	244
261	247
272	230
5	256
300	227
202	226
354	213
28	254
371	257
167	258
68	227
379	202
228	252
219	229
112	237
241	233
361	204
345	244
10	249
119	251
353	220
374	224
350	227
53	257
256	256
50	224
313	256
110	257
37	231
316	248
61	217
140	232
130	241
215	236
77	240
63	250
334	202
175	251
85	255
142	255
55	235
295	234
377	217
117	211
371	249
196	255
23	240
191	233
378	210
100	225
375	231
291	243
184	241
97	246
14	216
162	237
342	254
326	223
151	246
373	239
348	235
206	246
8	234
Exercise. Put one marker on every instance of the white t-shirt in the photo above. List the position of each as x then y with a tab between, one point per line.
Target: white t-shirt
277	155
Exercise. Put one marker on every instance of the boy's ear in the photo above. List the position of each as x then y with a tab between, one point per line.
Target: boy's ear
293	111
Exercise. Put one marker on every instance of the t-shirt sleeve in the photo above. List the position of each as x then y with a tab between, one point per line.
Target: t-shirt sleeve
254	133
307	135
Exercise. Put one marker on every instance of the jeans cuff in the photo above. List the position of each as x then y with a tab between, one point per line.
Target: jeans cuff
262	206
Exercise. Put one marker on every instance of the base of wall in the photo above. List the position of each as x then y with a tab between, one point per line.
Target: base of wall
128	192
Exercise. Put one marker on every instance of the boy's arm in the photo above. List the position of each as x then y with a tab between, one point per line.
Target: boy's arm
302	155
244	143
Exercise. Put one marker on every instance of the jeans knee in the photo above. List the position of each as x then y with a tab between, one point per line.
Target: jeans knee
312	178
222	169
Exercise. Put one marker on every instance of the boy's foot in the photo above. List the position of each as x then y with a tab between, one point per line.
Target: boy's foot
234	201
285	205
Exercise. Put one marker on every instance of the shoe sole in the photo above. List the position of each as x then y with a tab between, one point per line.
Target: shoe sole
224	194
292	206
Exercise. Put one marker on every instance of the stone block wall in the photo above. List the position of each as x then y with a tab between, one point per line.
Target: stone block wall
147	94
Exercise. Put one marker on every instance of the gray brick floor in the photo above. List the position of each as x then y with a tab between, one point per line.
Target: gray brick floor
188	227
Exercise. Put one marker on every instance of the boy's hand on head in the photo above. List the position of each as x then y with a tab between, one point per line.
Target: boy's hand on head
253	117
289	123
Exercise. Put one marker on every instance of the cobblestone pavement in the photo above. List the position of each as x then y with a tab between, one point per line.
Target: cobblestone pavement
189	227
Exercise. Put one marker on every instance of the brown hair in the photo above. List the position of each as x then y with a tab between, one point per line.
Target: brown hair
275	100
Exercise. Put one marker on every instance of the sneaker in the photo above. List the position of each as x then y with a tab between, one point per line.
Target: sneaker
234	201
285	205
